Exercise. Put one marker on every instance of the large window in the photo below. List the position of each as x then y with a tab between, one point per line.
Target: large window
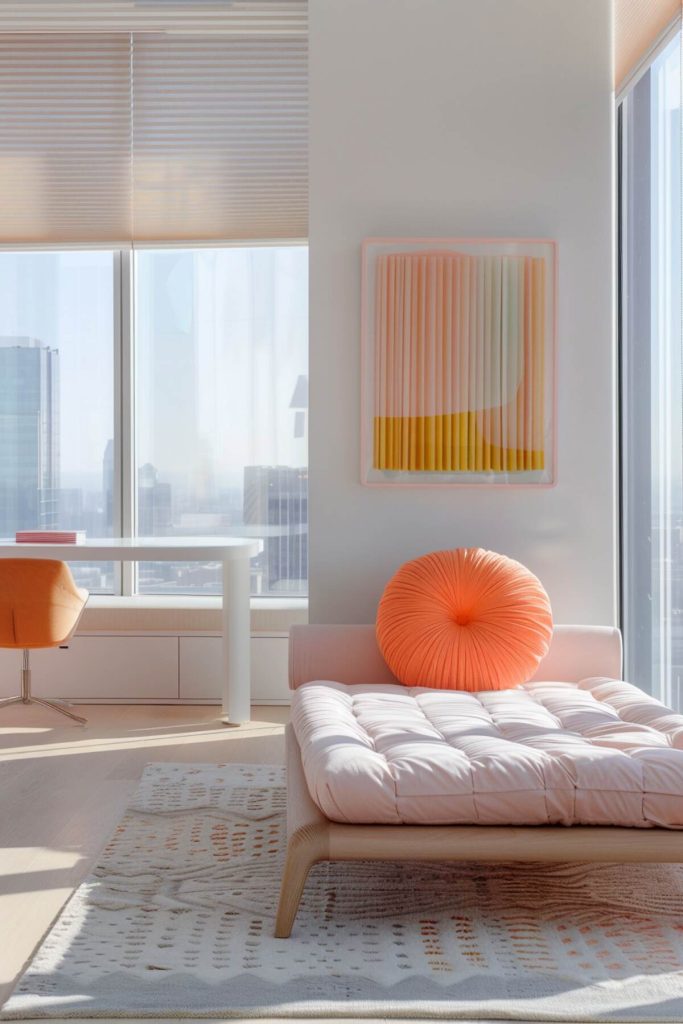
164	393
147	388
57	397
652	377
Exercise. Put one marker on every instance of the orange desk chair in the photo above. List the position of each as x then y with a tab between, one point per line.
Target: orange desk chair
40	606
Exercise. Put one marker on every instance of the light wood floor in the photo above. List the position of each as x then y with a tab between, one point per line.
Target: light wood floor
63	788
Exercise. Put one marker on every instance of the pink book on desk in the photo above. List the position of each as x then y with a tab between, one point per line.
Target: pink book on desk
50	536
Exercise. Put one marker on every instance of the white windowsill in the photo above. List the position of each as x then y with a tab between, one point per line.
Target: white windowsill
181	614
187	603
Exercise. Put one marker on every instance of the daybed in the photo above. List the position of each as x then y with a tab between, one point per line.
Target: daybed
405	774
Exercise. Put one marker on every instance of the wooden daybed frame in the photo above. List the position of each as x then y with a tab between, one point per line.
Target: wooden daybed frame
349	654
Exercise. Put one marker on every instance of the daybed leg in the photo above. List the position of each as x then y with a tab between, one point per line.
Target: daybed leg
305	848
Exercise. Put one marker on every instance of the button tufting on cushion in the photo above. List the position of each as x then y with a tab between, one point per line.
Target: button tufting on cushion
546	753
466	619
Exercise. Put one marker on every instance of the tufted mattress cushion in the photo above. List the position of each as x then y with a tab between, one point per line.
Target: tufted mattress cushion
597	753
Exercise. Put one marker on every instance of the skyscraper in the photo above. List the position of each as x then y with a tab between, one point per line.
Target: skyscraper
154	503
276	502
29	435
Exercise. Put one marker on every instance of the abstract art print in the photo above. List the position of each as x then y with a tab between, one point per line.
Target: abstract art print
458	353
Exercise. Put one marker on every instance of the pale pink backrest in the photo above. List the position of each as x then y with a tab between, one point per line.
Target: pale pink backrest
349	654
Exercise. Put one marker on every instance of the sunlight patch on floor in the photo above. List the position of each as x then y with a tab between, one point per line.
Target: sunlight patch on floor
102	744
17	860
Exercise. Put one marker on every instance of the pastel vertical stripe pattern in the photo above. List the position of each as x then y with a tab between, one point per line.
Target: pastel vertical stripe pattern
459	363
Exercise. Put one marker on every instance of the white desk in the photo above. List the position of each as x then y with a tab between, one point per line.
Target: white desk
233	552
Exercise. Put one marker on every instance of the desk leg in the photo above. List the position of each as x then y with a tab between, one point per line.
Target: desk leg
236	641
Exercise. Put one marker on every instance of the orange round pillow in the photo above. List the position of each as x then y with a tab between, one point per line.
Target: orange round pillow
467	619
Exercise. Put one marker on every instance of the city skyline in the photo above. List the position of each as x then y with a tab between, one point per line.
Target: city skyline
272	501
219	388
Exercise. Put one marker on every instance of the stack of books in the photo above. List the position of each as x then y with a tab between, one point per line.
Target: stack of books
50	536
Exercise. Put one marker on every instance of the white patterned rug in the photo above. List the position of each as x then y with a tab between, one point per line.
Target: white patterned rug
176	921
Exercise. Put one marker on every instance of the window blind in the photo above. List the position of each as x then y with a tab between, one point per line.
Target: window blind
274	17
140	136
65	172
219	138
638	25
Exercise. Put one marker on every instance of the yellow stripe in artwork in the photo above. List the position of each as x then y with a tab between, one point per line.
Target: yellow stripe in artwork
426	429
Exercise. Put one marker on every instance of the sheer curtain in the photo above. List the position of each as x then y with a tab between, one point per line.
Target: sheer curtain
221	338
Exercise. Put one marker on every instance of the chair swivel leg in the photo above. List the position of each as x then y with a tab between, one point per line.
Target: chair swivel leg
28	698
58	705
6	701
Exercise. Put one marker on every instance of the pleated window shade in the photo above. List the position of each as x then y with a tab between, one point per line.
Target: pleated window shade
115	137
638	25
65	130
286	17
219	138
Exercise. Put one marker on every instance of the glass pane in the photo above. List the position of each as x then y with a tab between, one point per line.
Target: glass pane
57	397
221	409
652	379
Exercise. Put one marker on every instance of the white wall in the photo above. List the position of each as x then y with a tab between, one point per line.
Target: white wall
462	117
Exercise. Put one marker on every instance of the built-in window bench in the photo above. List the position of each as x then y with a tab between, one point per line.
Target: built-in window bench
159	650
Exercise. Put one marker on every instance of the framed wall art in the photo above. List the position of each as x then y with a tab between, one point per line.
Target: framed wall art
458	361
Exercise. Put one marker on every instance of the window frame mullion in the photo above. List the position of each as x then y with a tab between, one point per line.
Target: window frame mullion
126	415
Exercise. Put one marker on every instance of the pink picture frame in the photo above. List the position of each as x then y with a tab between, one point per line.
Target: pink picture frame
459	362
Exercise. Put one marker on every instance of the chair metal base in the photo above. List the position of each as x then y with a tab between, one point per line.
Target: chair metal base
27	697
56	705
